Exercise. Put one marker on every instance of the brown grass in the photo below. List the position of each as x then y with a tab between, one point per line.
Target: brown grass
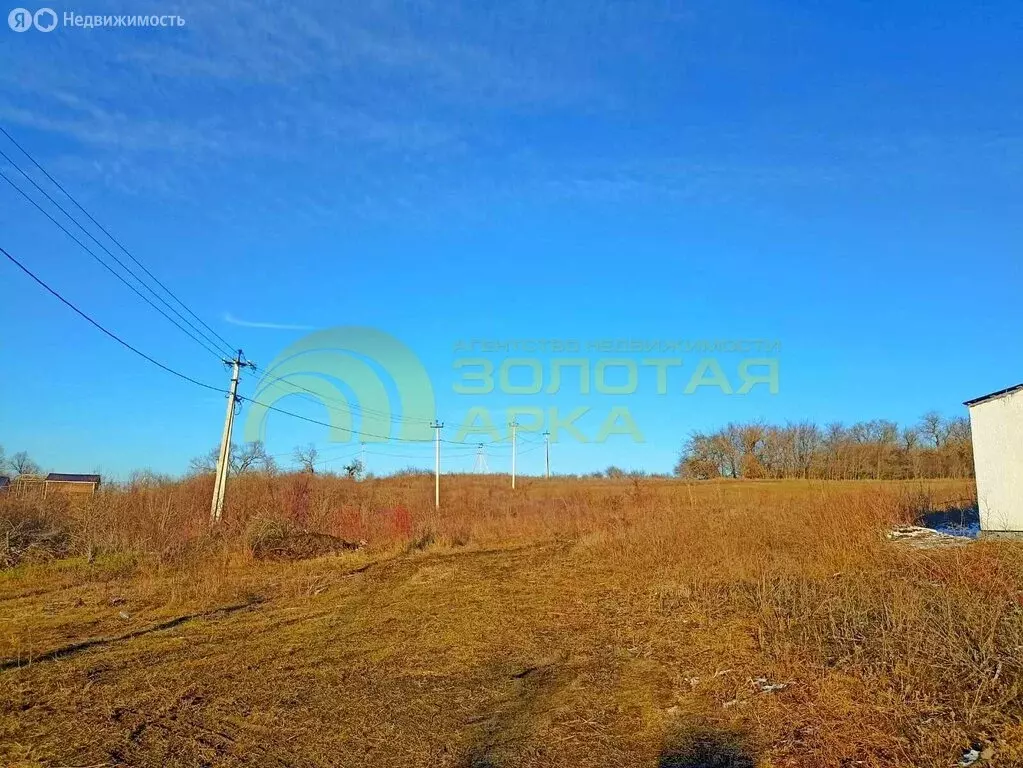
570	623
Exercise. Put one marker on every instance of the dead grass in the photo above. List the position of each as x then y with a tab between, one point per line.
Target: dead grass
573	623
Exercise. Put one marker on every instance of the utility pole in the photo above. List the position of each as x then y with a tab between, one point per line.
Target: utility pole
547	451
514	426
437	426
224	458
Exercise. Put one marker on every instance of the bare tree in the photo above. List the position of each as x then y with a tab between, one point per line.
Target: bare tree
147	478
776	452
934	428
250	457
205	464
306	457
957	430
727	446
355	470
885	435
836	436
806	439
700	458
22	464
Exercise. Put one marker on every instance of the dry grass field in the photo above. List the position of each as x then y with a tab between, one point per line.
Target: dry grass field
569	623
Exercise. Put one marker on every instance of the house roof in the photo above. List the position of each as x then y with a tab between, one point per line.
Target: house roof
63	477
993	395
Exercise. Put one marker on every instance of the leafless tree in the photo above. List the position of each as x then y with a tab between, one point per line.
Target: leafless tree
700	458
934	428
876	449
958	430
250	457
306	457
21	464
805	443
205	464
147	478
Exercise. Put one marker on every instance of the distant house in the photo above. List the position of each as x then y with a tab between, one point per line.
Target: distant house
67	483
996	421
5	483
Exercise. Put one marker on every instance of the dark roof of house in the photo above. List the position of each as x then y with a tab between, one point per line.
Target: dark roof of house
4	481
993	395
63	477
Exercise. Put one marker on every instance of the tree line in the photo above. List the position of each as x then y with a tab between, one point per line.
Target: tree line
253	457
880	449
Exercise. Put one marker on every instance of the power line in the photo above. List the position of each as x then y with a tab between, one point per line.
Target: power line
536	447
384	438
320	400
319	449
205	340
401	455
109	333
110	269
191	380
325	462
113	239
325	424
458	449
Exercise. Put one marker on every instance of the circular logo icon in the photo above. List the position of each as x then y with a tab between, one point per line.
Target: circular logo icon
20	19
371	384
45	20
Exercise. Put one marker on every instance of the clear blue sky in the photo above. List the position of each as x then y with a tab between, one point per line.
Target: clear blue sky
844	177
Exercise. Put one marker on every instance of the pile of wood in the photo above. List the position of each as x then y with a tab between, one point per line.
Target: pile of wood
301	546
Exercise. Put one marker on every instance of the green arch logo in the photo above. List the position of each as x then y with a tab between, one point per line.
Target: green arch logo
325	364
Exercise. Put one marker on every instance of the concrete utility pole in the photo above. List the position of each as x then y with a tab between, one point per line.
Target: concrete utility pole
437	426
224	458
547	451
514	426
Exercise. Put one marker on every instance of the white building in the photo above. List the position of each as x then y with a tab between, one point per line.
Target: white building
996	421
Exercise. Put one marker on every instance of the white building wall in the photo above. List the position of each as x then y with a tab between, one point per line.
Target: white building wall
997	426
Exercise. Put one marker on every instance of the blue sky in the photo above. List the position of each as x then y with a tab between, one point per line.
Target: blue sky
843	177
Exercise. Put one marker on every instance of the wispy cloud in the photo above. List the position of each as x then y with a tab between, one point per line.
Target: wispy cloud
390	109
229	318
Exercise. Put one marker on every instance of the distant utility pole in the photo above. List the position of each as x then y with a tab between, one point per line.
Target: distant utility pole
224	458
547	451
481	460
437	426
514	426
